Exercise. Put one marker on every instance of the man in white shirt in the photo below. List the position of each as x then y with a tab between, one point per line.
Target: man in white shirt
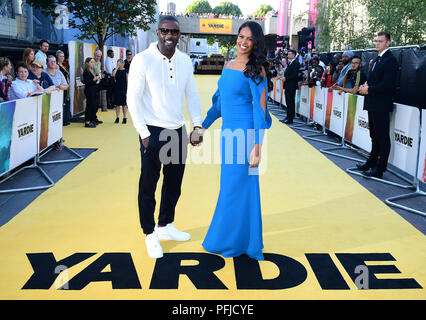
159	79
109	68
22	87
42	53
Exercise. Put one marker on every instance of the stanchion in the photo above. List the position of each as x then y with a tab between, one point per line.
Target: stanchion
411	184
32	166
39	156
417	193
342	145
323	133
411	181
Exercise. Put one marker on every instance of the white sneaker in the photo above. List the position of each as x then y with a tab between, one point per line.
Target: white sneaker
169	232
153	246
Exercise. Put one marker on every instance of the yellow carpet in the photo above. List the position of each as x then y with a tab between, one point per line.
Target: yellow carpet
309	206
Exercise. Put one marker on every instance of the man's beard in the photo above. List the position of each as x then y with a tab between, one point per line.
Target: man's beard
168	48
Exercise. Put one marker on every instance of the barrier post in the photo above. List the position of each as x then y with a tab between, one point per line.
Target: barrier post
34	165
343	145
411	182
417	193
56	102
323	133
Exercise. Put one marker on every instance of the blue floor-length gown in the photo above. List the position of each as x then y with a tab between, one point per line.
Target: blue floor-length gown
236	227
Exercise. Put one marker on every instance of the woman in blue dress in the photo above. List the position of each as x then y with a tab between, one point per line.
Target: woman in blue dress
240	101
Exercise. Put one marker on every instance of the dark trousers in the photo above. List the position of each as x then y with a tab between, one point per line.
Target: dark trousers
92	102
168	149
110	96
66	109
290	97
379	123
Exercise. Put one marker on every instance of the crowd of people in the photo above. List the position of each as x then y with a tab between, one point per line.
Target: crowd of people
40	72
343	72
212	15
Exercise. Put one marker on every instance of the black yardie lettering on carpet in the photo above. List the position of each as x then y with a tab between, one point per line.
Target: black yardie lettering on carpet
351	261
169	267
249	275
122	275
44	266
326	272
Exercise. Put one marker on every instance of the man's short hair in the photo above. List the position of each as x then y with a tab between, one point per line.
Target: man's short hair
386	34
43	41
109	51
356	57
168	18
293	51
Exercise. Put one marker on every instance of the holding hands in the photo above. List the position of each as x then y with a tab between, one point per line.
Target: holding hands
196	136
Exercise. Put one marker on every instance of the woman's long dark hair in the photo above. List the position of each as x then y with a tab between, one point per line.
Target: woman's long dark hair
257	58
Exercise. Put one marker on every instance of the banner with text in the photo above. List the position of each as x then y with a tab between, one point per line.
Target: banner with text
421	173
50	119
356	119
319	105
404	134
304	101
18	137
216	26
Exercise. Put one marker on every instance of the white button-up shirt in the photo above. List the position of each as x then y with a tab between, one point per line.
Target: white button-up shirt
156	90
20	89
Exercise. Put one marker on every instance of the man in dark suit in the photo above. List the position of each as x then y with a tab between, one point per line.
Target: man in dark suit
379	91
291	75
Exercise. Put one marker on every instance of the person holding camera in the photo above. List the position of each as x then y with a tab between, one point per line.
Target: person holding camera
291	78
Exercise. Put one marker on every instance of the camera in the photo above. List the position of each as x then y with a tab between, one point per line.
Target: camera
276	61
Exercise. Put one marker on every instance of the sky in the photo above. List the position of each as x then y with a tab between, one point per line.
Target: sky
246	6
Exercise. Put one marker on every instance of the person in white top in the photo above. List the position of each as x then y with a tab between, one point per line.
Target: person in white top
160	77
42	53
109	68
22	87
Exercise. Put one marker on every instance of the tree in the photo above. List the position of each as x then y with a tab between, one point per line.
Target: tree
227	8
341	25
404	20
99	20
354	24
226	42
263	10
199	7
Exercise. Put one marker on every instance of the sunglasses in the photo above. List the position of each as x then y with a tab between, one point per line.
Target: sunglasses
165	31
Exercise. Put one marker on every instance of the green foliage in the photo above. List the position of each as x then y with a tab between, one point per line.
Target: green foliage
101	19
404	20
340	25
199	6
227	8
263	10
225	43
354	24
